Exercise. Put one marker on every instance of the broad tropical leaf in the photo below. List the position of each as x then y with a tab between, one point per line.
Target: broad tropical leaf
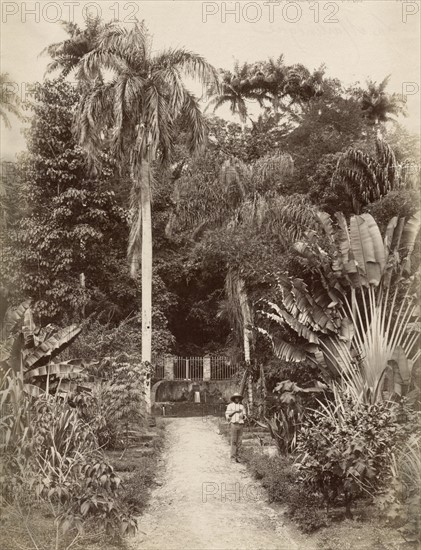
14	317
284	350
67	369
361	329
54	345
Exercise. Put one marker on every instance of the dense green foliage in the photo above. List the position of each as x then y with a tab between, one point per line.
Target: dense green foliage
82	230
51	454
72	223
69	235
345	457
244	230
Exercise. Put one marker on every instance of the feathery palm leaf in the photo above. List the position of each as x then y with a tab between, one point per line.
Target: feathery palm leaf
66	55
271	81
366	178
377	105
10	102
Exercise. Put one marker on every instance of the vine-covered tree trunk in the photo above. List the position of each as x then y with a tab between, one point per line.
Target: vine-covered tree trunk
246	319
264	390
243	382
250	393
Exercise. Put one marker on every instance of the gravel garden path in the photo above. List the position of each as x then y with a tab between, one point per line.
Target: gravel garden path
204	501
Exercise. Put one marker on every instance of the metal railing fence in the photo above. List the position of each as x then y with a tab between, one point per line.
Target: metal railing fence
216	367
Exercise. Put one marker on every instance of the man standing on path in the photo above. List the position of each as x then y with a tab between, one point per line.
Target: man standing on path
235	415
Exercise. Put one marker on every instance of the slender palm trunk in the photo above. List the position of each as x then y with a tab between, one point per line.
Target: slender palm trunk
146	279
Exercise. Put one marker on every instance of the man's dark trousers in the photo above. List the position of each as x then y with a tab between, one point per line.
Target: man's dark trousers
236	438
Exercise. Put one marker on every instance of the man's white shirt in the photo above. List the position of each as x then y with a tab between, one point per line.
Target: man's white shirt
239	413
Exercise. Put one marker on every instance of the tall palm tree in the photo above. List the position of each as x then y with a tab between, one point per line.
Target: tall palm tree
268	83
66	55
378	106
9	100
134	112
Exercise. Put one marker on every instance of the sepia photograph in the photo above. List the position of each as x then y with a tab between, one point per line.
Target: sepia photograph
210	275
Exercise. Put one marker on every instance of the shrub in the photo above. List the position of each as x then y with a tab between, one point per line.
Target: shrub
135	490
50	453
400	499
279	476
116	406
286	418
403	203
93	408
276	475
305	509
346	449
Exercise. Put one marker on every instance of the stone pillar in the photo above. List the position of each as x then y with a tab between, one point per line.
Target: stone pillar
206	367
169	367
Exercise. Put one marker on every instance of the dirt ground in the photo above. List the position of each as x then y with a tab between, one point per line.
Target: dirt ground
204	501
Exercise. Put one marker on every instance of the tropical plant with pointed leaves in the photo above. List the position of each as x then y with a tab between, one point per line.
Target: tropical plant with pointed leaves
10	102
33	351
134	112
368	178
50	454
361	326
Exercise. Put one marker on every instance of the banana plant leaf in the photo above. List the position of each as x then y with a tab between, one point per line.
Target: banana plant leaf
397	236
33	391
404	365
285	350
409	236
54	345
376	239
344	239
65	369
388	236
14	317
281	316
363	250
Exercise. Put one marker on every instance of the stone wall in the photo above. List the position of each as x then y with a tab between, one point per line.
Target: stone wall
211	391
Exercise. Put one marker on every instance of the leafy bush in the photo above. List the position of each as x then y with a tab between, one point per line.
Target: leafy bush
279	476
275	473
288	414
49	453
345	449
135	490
115	408
93	408
305	509
402	203
400	499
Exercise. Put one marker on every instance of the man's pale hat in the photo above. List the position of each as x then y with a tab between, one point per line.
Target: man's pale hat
236	394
